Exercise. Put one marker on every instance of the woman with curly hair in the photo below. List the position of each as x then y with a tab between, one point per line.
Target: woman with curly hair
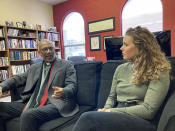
139	87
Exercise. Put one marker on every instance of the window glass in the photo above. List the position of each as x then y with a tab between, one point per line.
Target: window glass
74	35
146	13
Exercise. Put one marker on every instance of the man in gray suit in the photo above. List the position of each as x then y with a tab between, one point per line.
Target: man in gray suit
49	90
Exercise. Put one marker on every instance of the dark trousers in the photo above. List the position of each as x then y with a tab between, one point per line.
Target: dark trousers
30	119
110	121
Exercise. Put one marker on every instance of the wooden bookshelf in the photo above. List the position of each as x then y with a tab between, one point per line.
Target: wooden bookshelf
17	37
4	61
22	40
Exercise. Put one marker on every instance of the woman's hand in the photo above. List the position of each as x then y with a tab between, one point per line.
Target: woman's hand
103	110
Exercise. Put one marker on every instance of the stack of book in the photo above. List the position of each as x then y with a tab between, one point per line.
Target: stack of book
3	75
1	33
15	43
20	69
4	61
23	55
2	45
13	32
48	35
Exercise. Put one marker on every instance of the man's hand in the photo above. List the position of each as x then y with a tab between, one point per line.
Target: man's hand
104	110
0	91
58	92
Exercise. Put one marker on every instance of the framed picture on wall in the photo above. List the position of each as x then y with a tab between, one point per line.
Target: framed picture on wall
95	43
105	37
107	24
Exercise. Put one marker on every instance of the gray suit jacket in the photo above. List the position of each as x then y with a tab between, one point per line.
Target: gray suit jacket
63	75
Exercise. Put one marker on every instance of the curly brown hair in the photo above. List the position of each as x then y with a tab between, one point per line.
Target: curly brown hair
150	60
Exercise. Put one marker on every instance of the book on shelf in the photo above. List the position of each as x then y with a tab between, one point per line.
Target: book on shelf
2	45
15	43
56	37
23	55
24	33
31	34
48	35
4	61
18	69
1	32
41	35
13	32
3	75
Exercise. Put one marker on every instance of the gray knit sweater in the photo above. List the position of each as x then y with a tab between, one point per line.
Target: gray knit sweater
148	96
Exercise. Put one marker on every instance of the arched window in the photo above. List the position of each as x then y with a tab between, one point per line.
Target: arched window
146	13
74	35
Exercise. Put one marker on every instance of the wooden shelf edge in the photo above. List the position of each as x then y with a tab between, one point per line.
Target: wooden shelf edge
3	50
23	48
4	66
20	60
20	37
14	27
48	31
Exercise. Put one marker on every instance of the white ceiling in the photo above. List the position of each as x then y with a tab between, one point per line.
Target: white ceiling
53	2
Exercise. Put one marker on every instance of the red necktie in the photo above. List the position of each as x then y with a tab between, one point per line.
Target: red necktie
45	96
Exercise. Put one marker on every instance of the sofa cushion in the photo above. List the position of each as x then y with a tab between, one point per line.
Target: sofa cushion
107	73
61	122
13	124
88	80
76	59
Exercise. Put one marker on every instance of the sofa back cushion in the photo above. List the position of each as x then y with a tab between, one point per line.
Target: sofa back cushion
88	80
76	59
107	73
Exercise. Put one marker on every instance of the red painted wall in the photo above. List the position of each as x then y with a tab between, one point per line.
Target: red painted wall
93	10
169	21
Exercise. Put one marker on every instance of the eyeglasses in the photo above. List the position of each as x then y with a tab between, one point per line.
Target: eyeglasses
47	48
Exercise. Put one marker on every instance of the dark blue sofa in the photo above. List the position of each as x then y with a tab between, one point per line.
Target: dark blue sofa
94	82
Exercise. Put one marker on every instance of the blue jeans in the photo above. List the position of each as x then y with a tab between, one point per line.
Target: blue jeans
111	121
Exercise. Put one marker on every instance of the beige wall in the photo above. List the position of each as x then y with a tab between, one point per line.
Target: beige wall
32	11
